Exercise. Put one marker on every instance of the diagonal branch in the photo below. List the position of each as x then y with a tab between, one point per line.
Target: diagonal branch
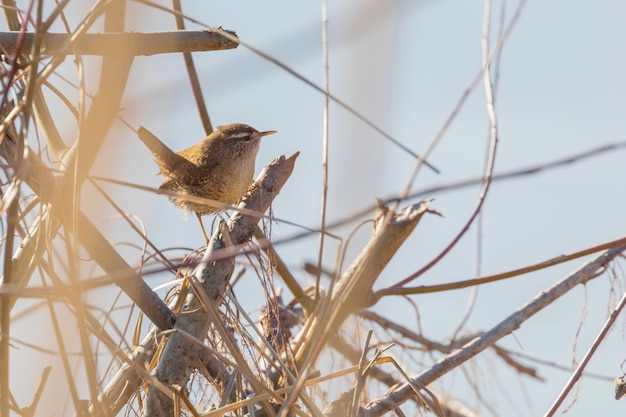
353	291
61	193
40	179
584	274
210	280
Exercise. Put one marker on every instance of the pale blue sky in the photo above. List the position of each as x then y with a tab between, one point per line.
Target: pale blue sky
404	64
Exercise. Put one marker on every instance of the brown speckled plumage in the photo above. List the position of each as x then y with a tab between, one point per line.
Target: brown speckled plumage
219	167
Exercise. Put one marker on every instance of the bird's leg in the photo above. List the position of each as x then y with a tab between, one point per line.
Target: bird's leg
206	237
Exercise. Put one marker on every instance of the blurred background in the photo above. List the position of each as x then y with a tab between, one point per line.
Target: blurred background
404	65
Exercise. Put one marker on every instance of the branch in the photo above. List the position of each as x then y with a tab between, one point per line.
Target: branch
40	179
466	183
451	406
62	192
353	291
489	338
129	378
147	43
209	281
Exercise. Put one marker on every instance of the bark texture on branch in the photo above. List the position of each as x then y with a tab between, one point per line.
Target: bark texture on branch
404	391
147	43
353	291
209	281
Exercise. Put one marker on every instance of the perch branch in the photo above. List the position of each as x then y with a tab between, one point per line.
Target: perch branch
209	281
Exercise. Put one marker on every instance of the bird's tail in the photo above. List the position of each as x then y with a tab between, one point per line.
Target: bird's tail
167	160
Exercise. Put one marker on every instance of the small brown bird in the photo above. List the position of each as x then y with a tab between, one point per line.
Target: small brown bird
220	167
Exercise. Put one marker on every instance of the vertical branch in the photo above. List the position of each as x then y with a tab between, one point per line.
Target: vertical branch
10	14
193	74
64	355
113	76
5	320
325	129
492	147
46	124
491	110
19	169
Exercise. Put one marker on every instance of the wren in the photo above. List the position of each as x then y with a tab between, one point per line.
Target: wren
220	167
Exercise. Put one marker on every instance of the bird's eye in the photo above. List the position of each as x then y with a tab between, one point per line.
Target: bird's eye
247	138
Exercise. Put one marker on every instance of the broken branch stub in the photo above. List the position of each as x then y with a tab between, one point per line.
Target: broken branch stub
353	291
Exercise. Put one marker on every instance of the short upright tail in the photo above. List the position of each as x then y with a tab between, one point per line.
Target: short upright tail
167	160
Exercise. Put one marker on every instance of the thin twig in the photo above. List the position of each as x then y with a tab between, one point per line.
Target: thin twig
325	133
491	157
424	289
588	355
461	184
335	99
193	74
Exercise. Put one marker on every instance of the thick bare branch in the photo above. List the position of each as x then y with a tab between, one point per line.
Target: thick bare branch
354	289
584	274
147	43
211	277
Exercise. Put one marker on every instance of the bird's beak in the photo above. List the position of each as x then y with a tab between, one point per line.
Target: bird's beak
269	132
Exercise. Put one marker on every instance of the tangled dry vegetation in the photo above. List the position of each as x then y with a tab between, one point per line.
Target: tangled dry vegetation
195	351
